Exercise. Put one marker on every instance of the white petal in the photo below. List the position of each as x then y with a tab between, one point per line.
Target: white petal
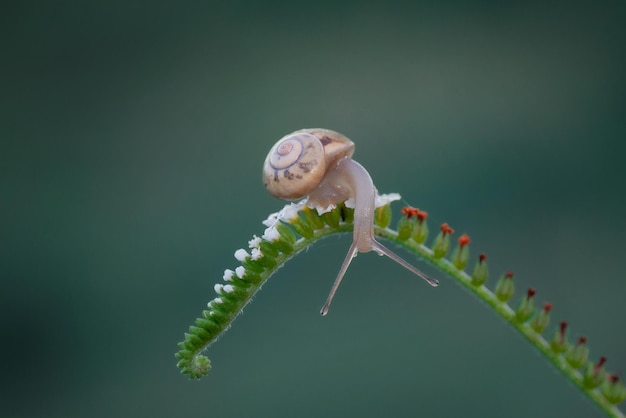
322	210
254	242
228	275
256	254
271	219
290	211
271	234
241	254
384	199
240	271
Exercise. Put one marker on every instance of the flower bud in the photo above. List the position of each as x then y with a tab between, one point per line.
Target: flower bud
541	321
266	263
613	389
441	245
332	218
461	252
578	354
382	216
505	287
559	339
286	234
302	226
594	374
315	220
481	271
268	248
421	229
407	223
526	307
286	238
405	228
199	366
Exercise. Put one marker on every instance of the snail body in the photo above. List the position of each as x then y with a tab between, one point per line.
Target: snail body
317	163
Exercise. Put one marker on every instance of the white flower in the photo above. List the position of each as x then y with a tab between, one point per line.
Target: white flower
381	200
214	302
241	254
290	211
255	242
228	275
240	271
349	203
229	288
287	213
322	210
271	219
218	288
271	234
256	254
384	199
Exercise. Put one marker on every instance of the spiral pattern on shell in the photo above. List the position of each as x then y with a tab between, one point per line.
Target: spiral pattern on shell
297	163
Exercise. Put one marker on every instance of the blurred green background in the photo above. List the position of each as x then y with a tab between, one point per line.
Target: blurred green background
132	139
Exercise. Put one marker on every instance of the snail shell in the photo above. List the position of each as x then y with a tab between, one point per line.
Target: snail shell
297	163
316	162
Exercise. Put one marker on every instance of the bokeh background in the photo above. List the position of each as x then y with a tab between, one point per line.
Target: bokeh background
132	139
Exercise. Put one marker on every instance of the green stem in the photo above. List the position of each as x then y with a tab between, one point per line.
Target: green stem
505	311
289	237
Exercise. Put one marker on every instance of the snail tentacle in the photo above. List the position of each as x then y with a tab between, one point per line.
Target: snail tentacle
318	163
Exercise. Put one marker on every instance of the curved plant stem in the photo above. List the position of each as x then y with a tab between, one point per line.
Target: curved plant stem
508	314
297	227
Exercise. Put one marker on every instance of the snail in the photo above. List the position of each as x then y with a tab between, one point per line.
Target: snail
317	163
